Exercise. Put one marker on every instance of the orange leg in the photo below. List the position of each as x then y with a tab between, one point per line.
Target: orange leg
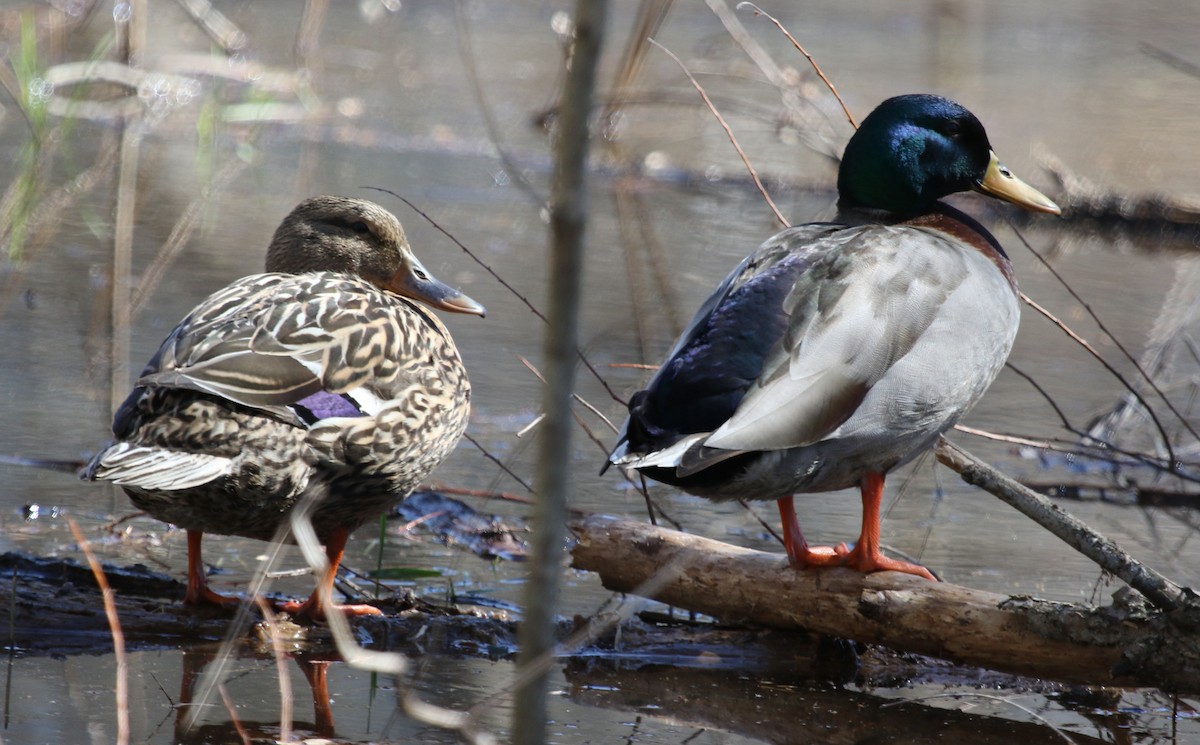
310	610
866	556
198	592
800	554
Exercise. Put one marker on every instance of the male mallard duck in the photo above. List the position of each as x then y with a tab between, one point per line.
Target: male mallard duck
321	377
838	351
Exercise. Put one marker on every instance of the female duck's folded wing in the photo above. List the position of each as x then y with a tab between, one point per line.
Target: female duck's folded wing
289	338
850	319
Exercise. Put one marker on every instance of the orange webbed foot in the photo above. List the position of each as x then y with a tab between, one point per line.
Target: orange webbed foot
813	556
874	561
309	611
822	556
841	556
202	596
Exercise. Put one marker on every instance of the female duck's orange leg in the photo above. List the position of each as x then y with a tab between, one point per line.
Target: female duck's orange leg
800	554
197	582
866	556
310	610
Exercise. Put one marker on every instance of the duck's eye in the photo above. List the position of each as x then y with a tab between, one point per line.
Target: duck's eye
360	227
951	129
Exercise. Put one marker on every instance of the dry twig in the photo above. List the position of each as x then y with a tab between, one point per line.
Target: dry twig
729	133
828	84
1110	557
285	682
114	626
503	283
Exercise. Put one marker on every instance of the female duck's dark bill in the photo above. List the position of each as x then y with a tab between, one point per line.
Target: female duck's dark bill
460	303
1000	182
415	282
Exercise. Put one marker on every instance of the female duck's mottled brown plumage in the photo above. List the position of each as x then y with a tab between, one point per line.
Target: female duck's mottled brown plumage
319	377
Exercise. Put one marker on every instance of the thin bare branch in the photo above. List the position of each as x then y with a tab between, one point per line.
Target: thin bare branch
568	226
1045	395
640	484
1110	557
1011	439
597	624
1170	59
286	698
182	232
498	462
231	710
575	396
131	38
759	56
467	53
308	35
728	133
222	31
1108	448
765	525
650	17
635	225
388	663
524	300
829	84
114	626
1099	450
45	219
1113	371
491	494
1116	342
207	688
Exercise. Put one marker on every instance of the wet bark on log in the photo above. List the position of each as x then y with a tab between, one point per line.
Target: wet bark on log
1126	643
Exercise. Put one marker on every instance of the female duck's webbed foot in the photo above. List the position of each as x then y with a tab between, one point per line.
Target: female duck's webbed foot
204	596
198	592
310	610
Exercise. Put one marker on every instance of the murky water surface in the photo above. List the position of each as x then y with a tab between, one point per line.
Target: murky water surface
389	102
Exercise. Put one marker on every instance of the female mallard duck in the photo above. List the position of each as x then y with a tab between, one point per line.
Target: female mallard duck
320	377
838	351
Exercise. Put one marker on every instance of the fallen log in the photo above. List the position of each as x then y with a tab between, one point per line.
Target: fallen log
1126	643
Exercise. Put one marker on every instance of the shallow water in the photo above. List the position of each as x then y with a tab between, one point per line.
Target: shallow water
391	105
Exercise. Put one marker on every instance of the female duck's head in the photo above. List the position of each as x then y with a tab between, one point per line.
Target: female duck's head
361	239
915	149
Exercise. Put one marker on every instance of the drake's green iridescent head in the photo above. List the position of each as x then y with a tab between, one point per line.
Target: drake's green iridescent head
913	150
